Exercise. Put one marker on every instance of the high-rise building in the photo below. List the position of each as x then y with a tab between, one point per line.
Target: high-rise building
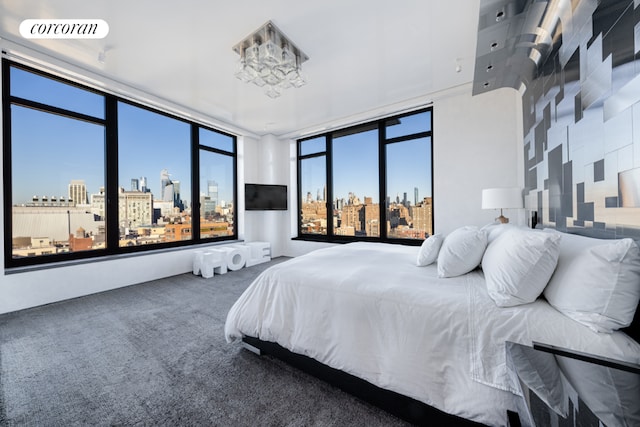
135	208
212	192
207	207
177	201
415	196
422	216
135	184
168	193
166	186
78	192
143	184
370	218
98	206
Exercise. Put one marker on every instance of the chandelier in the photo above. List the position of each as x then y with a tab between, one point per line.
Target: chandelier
269	59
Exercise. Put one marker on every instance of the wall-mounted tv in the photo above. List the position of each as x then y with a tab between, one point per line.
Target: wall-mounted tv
264	197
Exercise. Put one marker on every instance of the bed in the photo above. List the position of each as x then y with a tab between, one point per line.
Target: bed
438	337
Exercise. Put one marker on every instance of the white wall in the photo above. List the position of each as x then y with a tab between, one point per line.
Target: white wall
477	144
267	162
33	288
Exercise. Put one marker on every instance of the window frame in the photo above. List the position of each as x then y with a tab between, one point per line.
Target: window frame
380	124
110	123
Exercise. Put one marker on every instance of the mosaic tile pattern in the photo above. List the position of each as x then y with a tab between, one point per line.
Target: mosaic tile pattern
581	116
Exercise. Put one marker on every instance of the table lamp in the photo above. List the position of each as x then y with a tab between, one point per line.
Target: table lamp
502	198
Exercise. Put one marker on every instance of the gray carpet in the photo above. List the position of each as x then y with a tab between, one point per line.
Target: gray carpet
155	354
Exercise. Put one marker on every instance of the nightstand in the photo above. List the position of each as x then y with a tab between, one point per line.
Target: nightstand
565	388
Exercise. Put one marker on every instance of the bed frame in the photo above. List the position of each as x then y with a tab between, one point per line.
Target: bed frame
403	407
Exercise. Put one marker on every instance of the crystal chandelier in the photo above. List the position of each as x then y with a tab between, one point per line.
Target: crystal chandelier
269	59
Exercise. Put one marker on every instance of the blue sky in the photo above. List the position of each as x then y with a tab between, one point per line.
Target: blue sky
60	149
355	163
48	156
148	143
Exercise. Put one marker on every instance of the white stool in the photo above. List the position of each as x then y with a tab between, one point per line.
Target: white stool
197	262
213	261
260	252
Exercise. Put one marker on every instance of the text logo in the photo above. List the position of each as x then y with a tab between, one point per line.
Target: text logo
64	29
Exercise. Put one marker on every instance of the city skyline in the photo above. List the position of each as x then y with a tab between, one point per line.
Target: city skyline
70	149
355	160
398	197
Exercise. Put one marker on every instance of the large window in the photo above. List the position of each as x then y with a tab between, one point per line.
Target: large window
368	182
87	174
217	184
312	177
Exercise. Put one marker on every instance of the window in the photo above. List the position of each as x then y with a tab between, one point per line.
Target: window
355	182
368	182
217	184
59	158
154	157
409	206
312	175
70	150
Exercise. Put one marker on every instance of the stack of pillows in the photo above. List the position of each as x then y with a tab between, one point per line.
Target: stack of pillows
595	282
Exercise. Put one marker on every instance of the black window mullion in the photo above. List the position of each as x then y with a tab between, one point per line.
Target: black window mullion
425	134
112	191
235	188
382	180
329	183
6	162
299	181
195	183
55	110
433	227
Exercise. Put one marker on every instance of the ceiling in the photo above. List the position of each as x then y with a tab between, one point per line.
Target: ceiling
365	56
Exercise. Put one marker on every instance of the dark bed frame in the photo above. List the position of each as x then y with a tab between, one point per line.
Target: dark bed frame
403	407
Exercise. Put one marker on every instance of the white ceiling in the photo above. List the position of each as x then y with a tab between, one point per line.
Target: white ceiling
365	55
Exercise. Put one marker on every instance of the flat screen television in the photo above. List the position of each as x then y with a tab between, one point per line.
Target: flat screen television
264	197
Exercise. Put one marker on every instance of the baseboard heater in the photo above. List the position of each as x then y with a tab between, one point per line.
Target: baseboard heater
403	407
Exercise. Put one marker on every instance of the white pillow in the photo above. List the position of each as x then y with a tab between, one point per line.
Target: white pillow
518	264
428	253
496	229
597	282
461	251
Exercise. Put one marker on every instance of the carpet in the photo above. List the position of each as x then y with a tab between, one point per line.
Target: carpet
155	354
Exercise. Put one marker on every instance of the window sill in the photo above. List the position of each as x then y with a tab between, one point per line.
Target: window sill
70	263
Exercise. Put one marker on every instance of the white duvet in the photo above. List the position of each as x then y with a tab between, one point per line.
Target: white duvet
367	309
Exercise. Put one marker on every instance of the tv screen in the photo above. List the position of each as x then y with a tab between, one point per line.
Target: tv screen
263	197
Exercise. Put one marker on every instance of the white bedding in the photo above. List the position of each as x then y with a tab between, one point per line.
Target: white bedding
367	309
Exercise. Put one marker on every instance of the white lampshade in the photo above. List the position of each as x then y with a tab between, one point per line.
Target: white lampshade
502	198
